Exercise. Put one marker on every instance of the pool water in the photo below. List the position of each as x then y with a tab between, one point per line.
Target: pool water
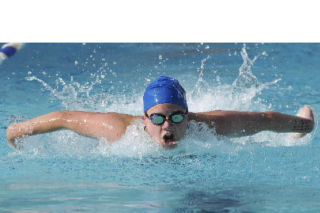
64	172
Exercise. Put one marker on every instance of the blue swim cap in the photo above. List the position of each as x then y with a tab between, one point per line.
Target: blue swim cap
164	90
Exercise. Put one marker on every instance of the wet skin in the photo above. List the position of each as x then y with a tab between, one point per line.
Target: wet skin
112	126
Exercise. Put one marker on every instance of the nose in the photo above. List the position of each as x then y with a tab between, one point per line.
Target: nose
166	124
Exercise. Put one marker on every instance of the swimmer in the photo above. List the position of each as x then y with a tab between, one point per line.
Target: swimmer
165	118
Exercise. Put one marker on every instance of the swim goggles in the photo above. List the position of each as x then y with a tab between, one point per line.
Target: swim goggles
159	119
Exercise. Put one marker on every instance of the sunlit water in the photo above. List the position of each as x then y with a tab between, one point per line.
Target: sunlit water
64	172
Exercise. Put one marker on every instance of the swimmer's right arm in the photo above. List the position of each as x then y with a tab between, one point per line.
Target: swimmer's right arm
237	123
97	125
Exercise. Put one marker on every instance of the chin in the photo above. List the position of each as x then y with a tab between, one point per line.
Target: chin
169	145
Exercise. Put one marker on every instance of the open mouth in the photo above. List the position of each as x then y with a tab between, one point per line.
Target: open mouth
168	138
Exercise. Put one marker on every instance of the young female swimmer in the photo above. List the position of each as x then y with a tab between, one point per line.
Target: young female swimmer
165	118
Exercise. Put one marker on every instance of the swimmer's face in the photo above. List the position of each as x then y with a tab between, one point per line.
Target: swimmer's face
168	133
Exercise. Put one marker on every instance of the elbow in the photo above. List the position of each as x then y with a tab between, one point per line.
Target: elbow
269	115
269	120
54	121
61	118
66	119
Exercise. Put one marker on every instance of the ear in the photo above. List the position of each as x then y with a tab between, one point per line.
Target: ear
145	120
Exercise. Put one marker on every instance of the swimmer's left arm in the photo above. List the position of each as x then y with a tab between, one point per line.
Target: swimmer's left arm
236	123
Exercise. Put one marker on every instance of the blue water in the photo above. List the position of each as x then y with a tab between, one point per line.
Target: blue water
64	172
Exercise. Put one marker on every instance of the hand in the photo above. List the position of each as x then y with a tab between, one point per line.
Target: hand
304	112
11	135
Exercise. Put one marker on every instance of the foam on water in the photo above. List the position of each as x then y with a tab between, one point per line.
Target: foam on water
243	94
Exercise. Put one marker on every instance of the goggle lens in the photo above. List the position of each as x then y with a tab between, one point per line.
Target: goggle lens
177	118
157	119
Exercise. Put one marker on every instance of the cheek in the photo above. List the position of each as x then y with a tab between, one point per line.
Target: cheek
152	129
182	128
154	132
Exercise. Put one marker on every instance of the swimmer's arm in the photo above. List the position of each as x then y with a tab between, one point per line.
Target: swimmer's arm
236	123
97	125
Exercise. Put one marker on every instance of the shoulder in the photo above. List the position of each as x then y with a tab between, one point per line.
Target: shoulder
126	119
110	125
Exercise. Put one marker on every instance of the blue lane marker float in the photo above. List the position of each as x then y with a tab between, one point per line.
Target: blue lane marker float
9	50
